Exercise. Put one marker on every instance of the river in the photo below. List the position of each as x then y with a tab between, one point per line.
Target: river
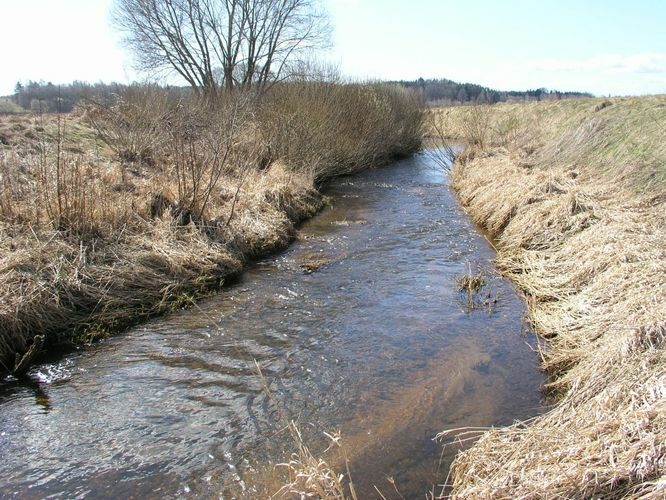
358	327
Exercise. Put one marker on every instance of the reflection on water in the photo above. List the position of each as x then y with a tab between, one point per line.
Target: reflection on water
358	327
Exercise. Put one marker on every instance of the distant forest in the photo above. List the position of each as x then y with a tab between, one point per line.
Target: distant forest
43	97
443	91
49	98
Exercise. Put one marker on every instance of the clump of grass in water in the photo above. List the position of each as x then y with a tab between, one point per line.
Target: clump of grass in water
310	476
470	284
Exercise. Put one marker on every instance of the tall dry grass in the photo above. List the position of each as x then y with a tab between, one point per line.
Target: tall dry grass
127	208
77	193
576	198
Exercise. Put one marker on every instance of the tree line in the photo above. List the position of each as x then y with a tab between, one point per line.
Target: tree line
218	46
443	91
212	45
46	97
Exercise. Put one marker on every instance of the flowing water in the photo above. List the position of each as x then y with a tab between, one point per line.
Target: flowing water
376	343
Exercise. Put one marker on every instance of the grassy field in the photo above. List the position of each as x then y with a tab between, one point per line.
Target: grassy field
611	138
117	212
575	194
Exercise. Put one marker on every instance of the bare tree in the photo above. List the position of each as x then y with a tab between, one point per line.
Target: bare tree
215	44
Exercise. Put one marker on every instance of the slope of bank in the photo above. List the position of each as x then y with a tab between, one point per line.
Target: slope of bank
130	208
575	194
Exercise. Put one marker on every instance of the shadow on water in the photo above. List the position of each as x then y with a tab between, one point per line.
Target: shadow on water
358	327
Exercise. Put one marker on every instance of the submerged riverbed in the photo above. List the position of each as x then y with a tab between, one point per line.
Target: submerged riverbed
357	327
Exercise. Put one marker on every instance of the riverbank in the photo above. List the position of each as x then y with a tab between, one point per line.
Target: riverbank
575	194
129	208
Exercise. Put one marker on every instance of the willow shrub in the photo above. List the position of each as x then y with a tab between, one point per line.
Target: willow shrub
331	129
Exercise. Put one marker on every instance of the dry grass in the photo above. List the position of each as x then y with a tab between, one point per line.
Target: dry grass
76	285
470	283
123	210
8	106
620	141
577	200
310	476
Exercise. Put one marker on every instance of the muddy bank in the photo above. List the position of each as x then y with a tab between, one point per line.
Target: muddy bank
574	195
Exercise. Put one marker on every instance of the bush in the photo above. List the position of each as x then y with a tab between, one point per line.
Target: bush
331	129
133	123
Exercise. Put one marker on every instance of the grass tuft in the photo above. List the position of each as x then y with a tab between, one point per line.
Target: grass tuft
470	283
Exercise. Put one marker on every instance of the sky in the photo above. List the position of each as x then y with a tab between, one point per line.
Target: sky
603	47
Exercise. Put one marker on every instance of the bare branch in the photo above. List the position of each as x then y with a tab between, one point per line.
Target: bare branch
215	44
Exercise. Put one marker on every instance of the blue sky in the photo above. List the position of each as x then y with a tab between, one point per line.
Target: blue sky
604	47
